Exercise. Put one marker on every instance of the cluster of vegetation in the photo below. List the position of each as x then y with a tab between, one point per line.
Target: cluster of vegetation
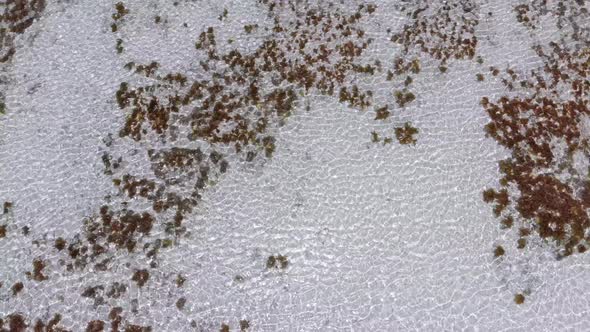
141	277
18	322
447	33
522	15
406	134
17	15
569	15
277	262
38	267
232	109
7	207
541	190
244	326
551	205
403	97
120	12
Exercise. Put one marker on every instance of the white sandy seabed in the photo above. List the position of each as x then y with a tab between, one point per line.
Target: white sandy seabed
379	238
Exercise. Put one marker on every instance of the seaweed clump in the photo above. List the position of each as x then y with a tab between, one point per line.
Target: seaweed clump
37	274
543	127
277	262
141	277
405	135
18	16
444	31
16	323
